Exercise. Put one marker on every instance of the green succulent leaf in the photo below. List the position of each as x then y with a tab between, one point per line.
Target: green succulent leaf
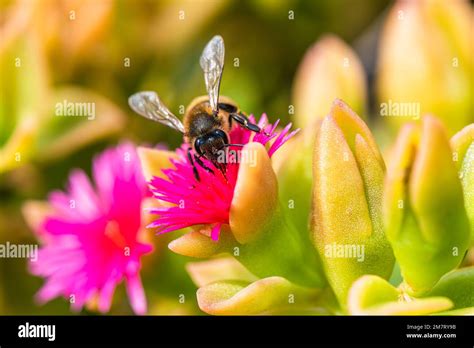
372	295
25	87
425	217
280	251
214	270
462	144
235	297
458	286
462	311
347	227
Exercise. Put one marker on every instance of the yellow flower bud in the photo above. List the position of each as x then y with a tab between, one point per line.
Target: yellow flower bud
347	198
425	58
424	212
330	69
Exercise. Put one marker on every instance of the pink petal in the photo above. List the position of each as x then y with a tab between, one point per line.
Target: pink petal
85	201
83	252
208	201
106	294
49	291
136	294
215	232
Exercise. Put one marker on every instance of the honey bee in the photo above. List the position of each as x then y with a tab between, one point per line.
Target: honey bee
207	120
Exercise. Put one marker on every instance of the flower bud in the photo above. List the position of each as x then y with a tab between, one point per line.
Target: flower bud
329	70
255	194
425	59
347	224
424	212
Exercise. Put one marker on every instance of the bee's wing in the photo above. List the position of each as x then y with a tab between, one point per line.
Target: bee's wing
150	106
212	63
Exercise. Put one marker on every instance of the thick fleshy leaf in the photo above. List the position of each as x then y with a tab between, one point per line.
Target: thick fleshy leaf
372	173
338	185
347	193
462	311
198	244
463	151
467	180
433	217
461	142
369	291
372	295
458	286
395	194
424	213
206	272
261	297
255	195
281	251
414	307
351	124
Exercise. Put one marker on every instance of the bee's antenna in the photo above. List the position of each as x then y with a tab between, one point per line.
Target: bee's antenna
237	145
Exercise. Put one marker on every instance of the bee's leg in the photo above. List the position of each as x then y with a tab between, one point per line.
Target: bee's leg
221	167
244	121
195	171
201	163
237	145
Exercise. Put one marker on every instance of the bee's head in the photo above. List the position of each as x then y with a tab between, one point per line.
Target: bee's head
211	145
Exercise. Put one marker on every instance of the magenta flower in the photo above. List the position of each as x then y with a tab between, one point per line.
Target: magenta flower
90	242
208	201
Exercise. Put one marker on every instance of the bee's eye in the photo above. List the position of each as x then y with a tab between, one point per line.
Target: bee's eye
219	133
227	107
197	145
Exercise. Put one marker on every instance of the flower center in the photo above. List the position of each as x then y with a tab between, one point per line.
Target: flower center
112	230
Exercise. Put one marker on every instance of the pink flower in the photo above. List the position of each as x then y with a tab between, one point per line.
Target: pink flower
208	201
90	242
